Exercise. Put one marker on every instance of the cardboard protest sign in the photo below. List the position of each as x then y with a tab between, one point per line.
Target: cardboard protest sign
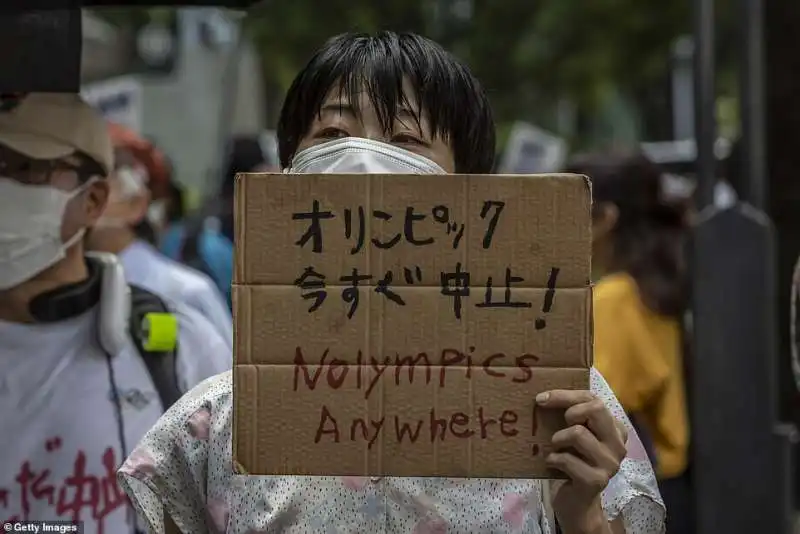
391	325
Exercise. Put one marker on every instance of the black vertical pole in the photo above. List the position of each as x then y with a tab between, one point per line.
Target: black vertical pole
741	459
752	108
754	161
705	100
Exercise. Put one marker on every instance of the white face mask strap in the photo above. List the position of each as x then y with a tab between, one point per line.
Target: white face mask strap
77	236
83	187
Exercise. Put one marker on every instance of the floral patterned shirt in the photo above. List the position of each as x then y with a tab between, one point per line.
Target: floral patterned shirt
184	466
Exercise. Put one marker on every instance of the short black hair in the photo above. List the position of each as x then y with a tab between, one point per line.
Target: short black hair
447	92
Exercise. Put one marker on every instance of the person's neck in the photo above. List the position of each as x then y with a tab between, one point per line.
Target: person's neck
15	302
113	240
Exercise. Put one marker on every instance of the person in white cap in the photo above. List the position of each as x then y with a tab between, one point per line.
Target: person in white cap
137	176
87	363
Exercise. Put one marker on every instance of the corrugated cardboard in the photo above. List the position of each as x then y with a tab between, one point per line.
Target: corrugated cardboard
394	377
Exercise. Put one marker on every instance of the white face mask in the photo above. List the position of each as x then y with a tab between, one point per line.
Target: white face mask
361	156
30	229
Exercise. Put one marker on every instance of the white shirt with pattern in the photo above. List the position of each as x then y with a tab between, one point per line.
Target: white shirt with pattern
184	466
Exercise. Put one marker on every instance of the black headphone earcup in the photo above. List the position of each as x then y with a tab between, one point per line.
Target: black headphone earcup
71	300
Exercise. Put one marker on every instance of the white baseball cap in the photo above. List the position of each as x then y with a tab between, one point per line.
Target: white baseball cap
54	125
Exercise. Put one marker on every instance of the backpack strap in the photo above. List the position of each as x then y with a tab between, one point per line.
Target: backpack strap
154	331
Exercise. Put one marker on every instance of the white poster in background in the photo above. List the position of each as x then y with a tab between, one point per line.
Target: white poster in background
268	141
118	99
532	150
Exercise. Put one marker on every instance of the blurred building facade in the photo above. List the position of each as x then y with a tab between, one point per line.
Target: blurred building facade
214	88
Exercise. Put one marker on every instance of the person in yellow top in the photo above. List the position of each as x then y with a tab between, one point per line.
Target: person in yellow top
640	298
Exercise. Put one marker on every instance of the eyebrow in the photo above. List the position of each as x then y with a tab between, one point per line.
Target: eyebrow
345	108
340	108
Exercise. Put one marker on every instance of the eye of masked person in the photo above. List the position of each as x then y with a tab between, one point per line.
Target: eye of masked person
340	121
41	172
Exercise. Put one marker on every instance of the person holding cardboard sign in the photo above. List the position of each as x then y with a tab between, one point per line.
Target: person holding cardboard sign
371	106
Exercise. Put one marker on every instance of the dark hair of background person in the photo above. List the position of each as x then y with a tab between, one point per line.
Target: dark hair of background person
447	93
145	231
176	210
245	153
648	239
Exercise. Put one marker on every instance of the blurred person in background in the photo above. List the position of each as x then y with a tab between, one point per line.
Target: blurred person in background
640	299
158	211
174	205
139	174
80	380
196	241
204	240
391	103
246	153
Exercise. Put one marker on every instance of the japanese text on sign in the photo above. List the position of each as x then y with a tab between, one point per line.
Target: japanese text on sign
455	284
355	226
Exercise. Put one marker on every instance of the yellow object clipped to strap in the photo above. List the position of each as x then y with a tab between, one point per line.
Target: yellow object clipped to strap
159	332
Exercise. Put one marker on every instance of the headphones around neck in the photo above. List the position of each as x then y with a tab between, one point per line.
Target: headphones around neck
71	300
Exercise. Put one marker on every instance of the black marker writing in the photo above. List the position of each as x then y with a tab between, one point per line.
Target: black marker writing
350	294
385	216
348	228
498	207
312	284
506	302
408	228
456	285
441	214
549	295
314	231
